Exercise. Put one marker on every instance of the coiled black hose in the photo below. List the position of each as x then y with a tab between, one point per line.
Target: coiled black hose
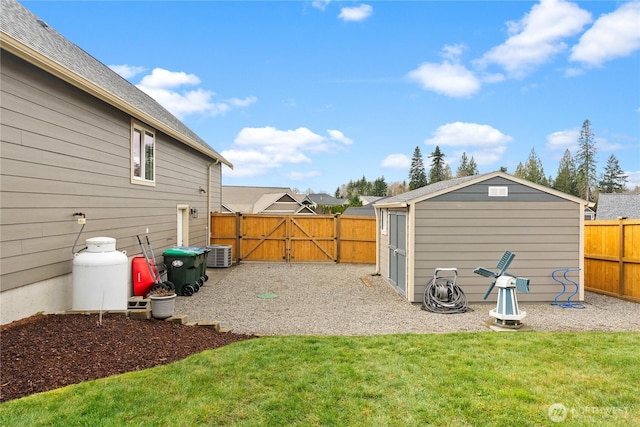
443	296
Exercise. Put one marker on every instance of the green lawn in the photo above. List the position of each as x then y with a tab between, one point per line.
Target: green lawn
482	379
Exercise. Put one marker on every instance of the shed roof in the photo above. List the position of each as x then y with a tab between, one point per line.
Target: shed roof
447	186
366	210
25	35
615	205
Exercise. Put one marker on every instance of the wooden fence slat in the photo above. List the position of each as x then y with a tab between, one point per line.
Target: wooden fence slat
612	257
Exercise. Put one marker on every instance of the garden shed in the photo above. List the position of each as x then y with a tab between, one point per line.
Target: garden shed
469	222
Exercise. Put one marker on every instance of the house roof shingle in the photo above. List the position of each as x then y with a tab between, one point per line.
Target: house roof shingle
615	205
25	35
325	199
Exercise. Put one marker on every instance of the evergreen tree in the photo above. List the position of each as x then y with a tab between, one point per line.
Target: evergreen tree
566	178
447	172
355	200
473	167
437	171
467	167
364	187
613	180
519	172
417	174
532	170
586	162
463	167
379	187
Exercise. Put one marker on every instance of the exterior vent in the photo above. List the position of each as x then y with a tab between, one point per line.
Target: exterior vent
498	191
219	256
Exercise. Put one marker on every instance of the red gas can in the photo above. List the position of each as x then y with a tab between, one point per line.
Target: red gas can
142	278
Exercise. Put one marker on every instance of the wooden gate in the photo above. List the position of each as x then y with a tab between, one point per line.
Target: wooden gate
296	238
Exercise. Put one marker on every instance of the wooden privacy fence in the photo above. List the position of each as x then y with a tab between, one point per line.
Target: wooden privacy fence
612	257
296	238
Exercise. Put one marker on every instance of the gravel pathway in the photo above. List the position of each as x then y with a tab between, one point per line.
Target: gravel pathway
345	299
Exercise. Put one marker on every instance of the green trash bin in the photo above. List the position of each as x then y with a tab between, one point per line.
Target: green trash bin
187	268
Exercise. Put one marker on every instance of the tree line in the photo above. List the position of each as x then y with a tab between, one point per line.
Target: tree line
576	174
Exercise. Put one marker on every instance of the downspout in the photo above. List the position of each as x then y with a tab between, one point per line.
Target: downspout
209	186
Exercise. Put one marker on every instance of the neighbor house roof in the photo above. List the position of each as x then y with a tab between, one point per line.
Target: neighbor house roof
31	39
325	199
247	199
442	187
616	205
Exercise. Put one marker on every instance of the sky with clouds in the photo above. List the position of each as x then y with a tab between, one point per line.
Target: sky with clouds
312	94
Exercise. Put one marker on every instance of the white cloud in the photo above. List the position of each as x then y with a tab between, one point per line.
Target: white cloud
564	139
336	135
257	151
613	35
446	78
320	4
127	71
459	134
485	143
302	176
396	161
236	102
537	36
161	78
182	104
453	52
633	179
166	87
357	13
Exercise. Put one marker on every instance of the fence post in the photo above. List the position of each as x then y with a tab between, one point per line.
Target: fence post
238	235
621	288
337	227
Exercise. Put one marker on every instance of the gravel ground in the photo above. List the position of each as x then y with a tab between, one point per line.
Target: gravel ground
345	299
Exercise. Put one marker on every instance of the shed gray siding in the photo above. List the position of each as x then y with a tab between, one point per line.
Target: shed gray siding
465	235
480	192
64	151
383	244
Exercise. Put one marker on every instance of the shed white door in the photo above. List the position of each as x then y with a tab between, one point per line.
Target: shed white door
398	251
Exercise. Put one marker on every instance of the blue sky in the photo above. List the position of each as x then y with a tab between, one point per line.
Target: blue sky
312	94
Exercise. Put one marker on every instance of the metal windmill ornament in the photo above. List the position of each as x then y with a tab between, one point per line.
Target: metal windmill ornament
507	313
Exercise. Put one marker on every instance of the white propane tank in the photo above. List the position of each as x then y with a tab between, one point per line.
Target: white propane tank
100	277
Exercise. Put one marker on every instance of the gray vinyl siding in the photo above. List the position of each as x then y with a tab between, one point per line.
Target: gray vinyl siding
62	152
516	193
287	207
544	235
383	247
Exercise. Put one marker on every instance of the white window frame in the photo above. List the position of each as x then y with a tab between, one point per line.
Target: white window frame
137	150
384	220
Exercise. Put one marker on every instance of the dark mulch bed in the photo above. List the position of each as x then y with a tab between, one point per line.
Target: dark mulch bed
45	352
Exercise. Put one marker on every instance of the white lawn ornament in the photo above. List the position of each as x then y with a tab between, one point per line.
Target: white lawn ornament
507	313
